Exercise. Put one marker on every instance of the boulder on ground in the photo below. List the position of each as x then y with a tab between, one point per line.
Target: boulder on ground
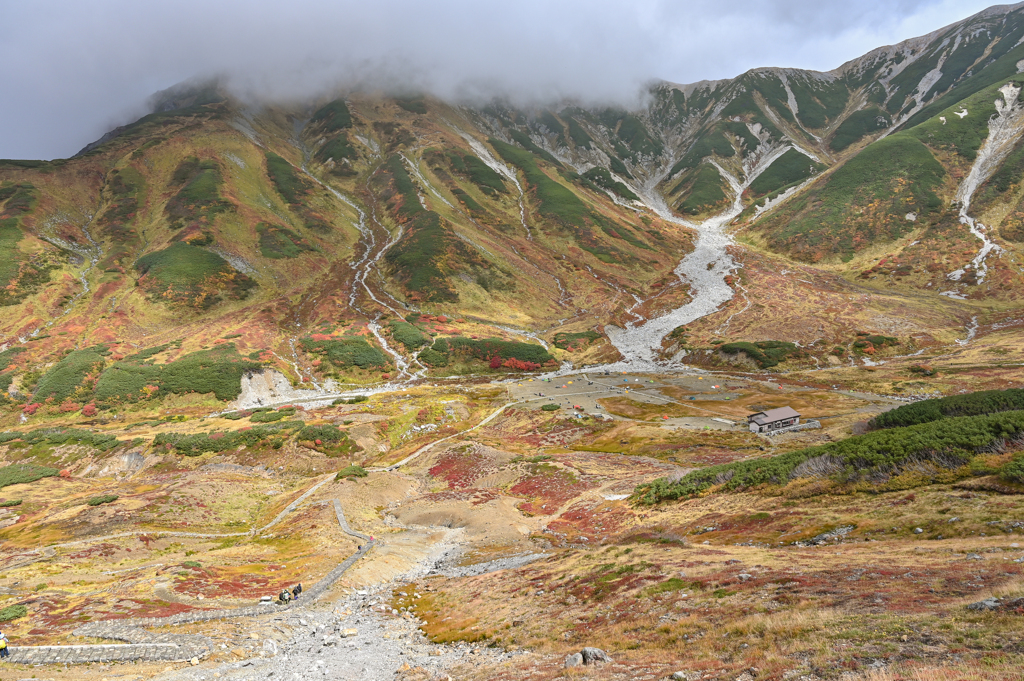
594	655
574	660
987	604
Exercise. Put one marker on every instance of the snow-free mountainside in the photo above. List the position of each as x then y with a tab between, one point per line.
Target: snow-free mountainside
518	347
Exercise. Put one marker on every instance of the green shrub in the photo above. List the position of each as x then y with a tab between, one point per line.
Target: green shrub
278	242
200	443
336	150
218	371
876	456
267	416
417	257
326	433
859	124
344	352
631	138
894	176
10	256
603	178
124	187
351	400
352	471
334	116
554	200
564	340
582	139
63	436
478	172
702	190
335	440
550	407
713	143
408	335
9	503
671	585
21	473
971	404
1013	470
105	499
8	356
486	348
66	377
190	276
414	105
787	170
12	612
764	353
433	358
289	184
198	201
191	564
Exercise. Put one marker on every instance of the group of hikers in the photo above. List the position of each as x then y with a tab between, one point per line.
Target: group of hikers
287	596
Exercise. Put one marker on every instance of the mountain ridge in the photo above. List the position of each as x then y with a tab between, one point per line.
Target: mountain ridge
343	216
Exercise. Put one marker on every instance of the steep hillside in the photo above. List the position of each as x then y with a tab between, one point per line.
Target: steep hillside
324	239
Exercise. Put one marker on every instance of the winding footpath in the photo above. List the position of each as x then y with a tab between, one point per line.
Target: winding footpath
140	644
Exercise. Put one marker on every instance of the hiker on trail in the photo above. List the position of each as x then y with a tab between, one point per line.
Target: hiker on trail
297	590
4	649
285	596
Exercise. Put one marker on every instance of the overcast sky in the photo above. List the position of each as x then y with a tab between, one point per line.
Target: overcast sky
71	70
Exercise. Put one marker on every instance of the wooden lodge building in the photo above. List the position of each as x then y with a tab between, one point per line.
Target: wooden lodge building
773	419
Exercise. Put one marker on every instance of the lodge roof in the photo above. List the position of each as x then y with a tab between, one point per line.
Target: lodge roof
772	415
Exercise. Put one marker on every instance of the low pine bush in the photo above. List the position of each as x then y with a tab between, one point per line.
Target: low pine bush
20	473
105	499
352	471
12	612
947	443
971	404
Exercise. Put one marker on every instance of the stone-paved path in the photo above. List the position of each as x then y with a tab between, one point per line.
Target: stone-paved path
144	645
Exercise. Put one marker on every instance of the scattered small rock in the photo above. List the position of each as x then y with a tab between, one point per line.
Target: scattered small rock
743	576
918	530
345	633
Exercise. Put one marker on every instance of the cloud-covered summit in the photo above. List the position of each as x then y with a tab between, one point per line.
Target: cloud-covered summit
74	70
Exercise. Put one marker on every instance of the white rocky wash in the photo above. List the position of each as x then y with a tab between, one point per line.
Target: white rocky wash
704	269
497	166
269	387
1004	130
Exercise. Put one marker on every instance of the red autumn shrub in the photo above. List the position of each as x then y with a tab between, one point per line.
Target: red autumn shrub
520	364
30	409
495	362
89	410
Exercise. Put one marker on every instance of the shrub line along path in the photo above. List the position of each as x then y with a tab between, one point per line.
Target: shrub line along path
141	644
